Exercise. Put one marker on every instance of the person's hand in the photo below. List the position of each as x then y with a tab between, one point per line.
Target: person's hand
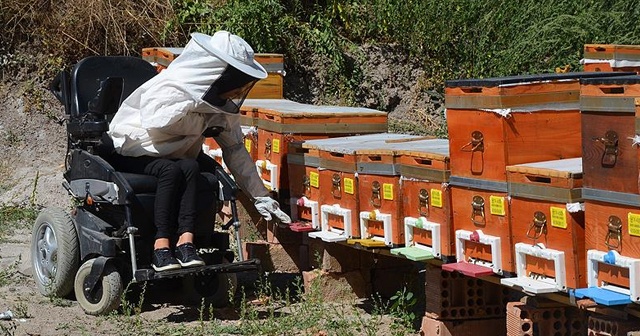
268	207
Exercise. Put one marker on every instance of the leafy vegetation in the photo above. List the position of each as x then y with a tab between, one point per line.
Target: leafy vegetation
451	38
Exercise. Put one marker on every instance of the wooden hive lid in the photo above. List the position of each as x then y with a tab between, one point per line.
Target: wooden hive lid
389	146
289	109
351	144
435	149
565	168
628	79
527	79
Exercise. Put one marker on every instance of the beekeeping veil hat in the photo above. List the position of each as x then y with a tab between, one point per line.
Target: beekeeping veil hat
216	70
233	50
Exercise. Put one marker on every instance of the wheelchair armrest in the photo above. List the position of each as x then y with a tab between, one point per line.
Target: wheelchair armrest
89	174
228	187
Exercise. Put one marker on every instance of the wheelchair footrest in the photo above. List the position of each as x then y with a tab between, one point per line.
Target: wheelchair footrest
149	274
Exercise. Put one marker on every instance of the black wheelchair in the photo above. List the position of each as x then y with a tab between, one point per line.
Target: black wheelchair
106	241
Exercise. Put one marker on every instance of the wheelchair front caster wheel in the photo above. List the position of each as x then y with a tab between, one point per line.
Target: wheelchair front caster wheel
105	296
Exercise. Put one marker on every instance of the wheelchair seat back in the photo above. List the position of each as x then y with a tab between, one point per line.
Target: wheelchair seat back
96	88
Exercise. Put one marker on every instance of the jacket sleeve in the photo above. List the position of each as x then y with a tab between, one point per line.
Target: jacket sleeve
231	140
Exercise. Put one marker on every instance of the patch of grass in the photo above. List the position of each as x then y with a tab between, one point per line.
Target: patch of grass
13	217
9	273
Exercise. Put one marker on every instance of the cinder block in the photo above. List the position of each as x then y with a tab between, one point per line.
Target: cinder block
481	327
336	258
276	257
453	296
601	325
337	286
391	274
524	320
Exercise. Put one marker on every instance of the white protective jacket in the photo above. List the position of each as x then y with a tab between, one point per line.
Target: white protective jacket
165	117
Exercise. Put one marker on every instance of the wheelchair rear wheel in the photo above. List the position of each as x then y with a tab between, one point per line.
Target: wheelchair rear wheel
55	252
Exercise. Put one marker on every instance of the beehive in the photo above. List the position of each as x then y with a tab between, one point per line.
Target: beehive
424	176
304	178
612	238
481	227
547	224
610	158
281	121
497	122
338	182
611	57
379	194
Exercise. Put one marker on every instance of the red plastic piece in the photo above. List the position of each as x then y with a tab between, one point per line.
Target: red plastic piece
468	269
301	227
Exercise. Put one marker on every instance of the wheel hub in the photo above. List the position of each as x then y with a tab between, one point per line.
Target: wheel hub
46	254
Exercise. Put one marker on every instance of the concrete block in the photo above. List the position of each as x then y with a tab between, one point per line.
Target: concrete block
276	257
336	286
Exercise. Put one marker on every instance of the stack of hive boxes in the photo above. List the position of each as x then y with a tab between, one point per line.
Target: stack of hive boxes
335	211
611	57
280	122
383	196
612	197
495	123
336	215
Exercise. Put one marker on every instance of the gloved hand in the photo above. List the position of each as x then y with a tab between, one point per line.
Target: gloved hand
267	207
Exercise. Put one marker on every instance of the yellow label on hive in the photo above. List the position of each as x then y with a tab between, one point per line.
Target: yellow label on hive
558	217
275	145
348	186
436	198
248	144
387	191
634	224
314	179
497	205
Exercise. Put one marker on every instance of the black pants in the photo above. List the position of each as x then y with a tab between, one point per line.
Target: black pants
176	191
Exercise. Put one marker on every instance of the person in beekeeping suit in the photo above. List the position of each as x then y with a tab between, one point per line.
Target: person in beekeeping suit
200	92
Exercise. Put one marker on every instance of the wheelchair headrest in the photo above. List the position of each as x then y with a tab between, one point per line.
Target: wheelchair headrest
100	83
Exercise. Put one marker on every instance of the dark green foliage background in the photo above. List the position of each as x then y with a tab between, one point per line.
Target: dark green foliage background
450	38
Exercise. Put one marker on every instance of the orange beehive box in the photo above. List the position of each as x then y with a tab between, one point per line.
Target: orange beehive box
268	88
424	170
611	57
379	194
282	121
481	227
497	122
612	241
547	225
610	157
304	179
338	183
272	86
